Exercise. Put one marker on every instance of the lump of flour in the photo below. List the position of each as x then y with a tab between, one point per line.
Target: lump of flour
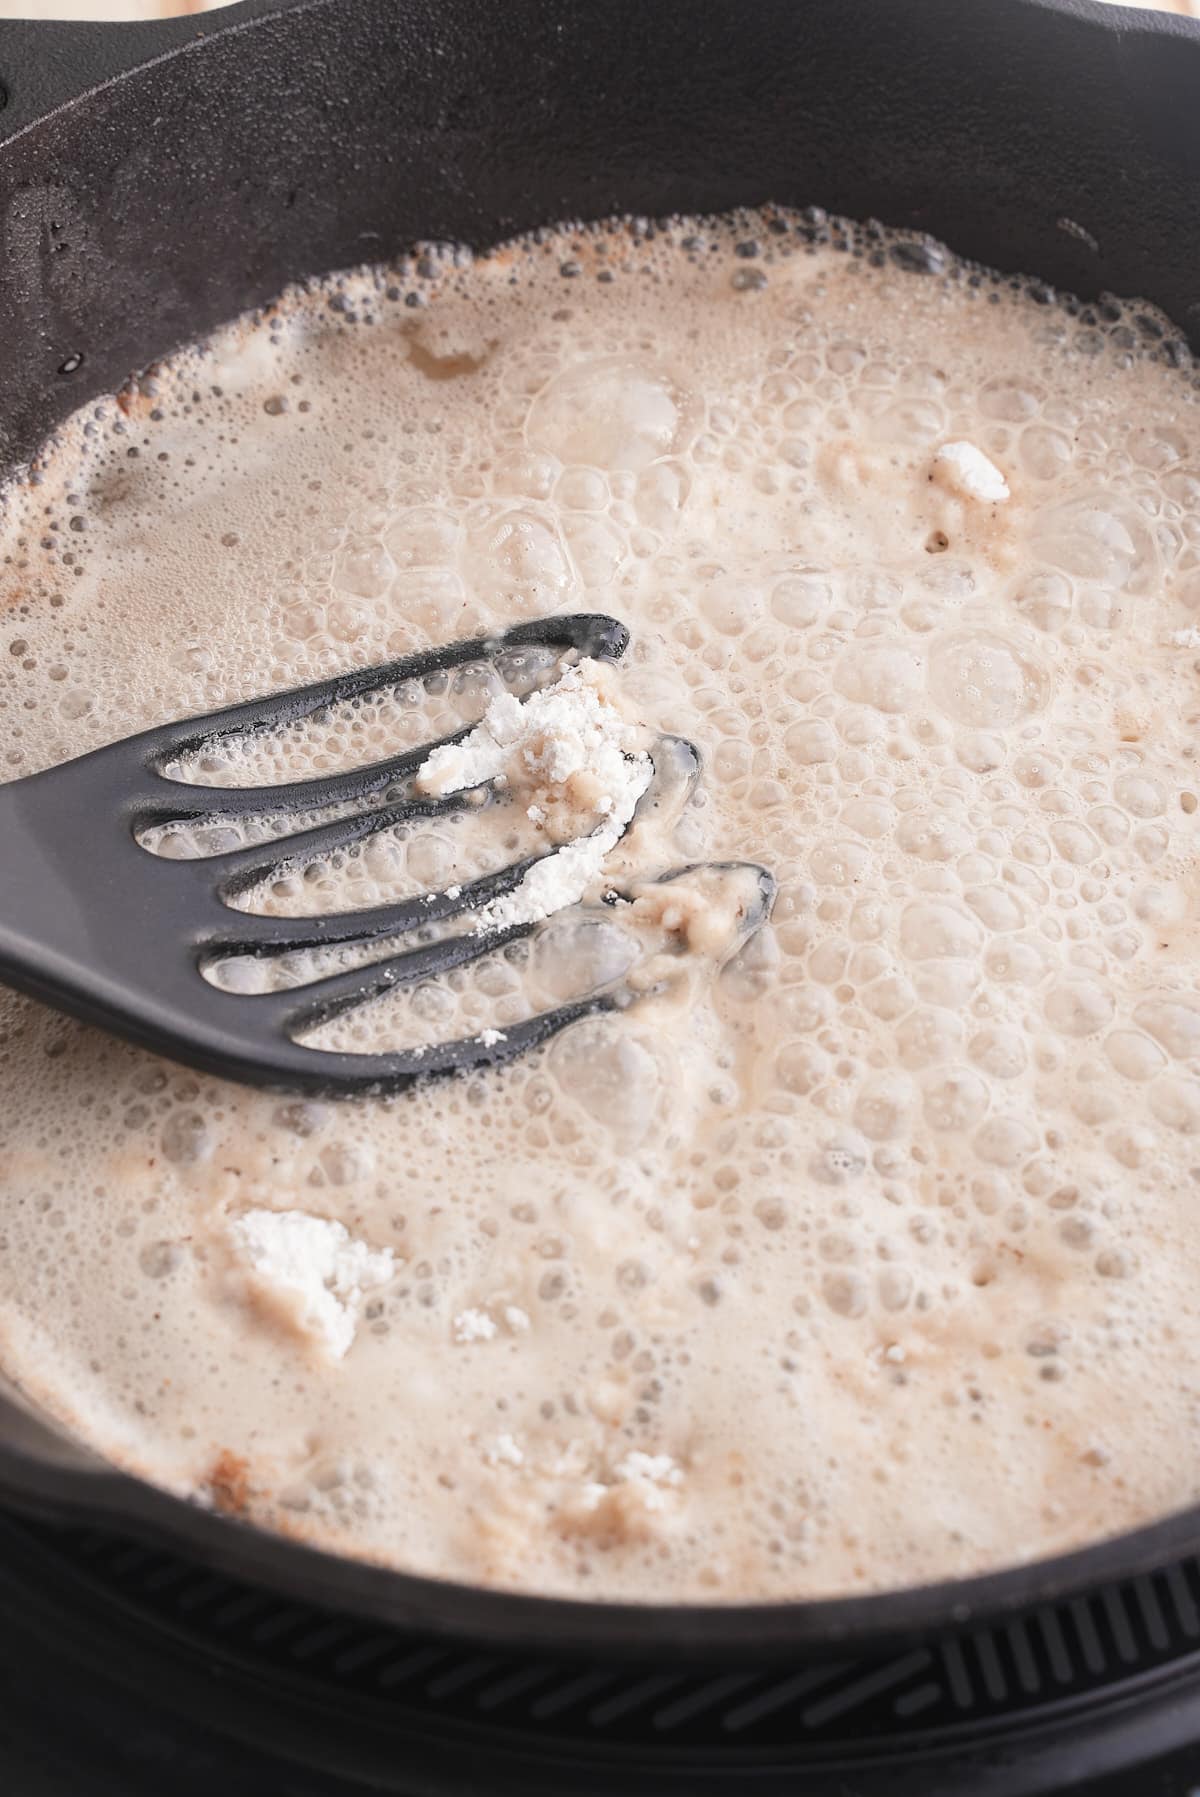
310	1272
968	472
575	764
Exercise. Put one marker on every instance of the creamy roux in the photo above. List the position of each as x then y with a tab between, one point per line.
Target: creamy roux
865	1252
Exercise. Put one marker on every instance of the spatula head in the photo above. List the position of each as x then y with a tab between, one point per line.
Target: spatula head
93	922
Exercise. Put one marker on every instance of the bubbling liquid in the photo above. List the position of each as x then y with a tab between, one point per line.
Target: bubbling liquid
865	1252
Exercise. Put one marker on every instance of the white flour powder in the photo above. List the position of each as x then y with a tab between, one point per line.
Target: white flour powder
575	763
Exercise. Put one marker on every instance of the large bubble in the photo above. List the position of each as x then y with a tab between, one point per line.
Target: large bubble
612	413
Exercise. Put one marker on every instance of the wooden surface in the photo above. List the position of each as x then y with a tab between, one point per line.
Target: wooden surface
1190	7
102	9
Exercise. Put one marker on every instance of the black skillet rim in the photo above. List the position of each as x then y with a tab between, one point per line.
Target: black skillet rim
71	1493
50	1478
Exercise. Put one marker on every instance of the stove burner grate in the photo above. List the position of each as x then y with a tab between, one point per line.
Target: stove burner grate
1074	1652
1118	1671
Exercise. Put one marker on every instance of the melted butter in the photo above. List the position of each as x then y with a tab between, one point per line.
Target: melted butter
864	1255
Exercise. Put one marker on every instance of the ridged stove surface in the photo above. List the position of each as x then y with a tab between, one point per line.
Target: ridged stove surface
202	1684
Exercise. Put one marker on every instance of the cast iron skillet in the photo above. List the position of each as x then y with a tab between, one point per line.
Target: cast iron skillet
156	180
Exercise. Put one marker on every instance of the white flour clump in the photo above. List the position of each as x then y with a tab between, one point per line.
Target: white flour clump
577	766
310	1269
656	1474
967	471
474	1326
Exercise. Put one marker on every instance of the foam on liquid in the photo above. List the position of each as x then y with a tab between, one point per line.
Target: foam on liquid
866	1255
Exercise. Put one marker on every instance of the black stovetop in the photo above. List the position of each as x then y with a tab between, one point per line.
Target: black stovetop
128	1672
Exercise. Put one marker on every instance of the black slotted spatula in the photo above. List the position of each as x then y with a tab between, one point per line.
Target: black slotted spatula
94	924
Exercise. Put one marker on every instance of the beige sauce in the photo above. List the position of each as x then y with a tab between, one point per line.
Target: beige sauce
863	1248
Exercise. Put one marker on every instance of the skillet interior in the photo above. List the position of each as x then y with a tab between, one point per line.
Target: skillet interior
156	180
